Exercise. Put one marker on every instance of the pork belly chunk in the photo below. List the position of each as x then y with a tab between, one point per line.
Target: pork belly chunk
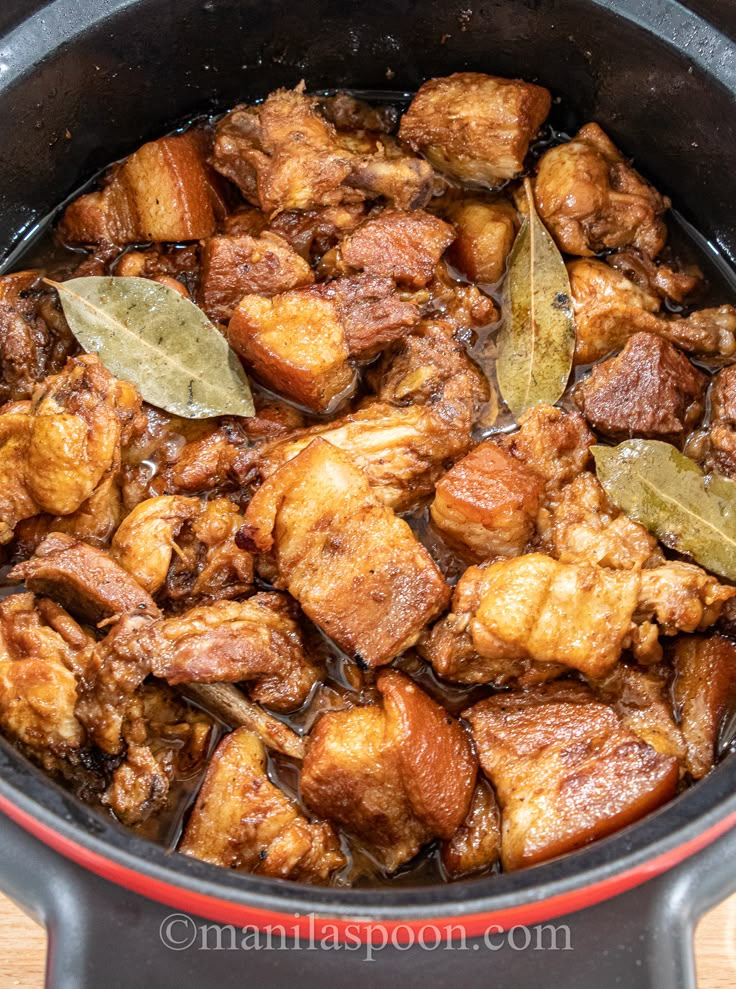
592	200
650	390
394	775
242	821
609	309
83	579
705	694
486	504
475	127
554	443
476	845
234	266
39	655
486	231
565	769
356	569
162	192
398	244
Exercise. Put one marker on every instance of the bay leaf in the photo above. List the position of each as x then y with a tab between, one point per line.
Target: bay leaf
688	511
537	339
161	342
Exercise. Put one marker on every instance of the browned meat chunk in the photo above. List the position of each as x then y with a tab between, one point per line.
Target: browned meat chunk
161	192
404	246
465	306
705	694
586	527
721	437
650	390
554	443
485	235
348	113
174	265
487	503
208	564
39	650
314	232
609	309
658	279
84	579
475	127
592	200
57	450
394	775
34	338
681	597
476	845
565	770
372	313
234	266
295	344
242	821
356	569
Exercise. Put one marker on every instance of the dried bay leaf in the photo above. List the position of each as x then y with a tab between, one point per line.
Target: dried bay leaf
537	340
150	335
655	484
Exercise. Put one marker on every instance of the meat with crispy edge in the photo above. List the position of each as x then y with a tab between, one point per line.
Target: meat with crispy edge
476	845
649	390
487	504
162	192
565	769
234	266
355	568
609	309
394	775
592	200
705	694
242	821
55	451
486	230
475	127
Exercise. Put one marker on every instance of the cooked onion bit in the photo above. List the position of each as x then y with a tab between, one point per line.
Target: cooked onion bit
537	340
692	513
150	335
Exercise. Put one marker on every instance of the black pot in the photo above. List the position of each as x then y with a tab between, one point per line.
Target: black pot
83	82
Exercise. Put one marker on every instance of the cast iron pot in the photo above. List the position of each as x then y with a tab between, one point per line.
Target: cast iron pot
83	82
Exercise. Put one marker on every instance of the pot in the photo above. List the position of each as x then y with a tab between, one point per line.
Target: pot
83	82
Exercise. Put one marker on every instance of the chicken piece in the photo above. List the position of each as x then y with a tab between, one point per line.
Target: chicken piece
295	344
162	192
372	313
313	233
609	309
234	266
476	845
397	244
35	340
166	744
641	698
586	527
356	569
681	597
705	695
657	278
650	390
464	306
721	435
242	821
402	451
486	231
487	503
83	579
475	127
174	265
282	154
39	646
208	563
565	769
554	443
351	114
395	775
55	452
387	171
428	364
592	200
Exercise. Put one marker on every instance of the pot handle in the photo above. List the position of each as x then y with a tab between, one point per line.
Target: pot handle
101	934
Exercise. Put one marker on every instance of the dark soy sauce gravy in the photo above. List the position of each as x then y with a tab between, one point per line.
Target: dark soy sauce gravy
345	684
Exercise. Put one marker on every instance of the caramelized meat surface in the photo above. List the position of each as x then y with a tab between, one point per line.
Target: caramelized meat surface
355	568
592	200
705	694
475	127
565	769
554	443
485	236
